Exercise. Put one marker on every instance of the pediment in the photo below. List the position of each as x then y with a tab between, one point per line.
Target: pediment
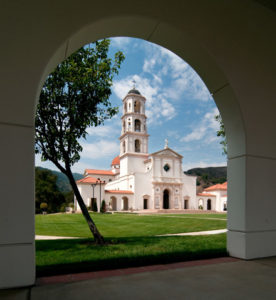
167	152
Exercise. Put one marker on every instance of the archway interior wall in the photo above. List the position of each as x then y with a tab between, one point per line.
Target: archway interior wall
241	49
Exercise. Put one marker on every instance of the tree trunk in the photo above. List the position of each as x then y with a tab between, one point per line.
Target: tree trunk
97	236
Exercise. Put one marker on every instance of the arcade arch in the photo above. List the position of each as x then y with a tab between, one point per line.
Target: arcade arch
125	203
236	69
113	203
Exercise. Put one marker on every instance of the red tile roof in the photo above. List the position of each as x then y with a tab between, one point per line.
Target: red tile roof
206	194
216	187
89	180
98	172
118	192
116	161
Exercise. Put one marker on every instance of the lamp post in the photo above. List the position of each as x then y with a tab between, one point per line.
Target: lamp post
100	182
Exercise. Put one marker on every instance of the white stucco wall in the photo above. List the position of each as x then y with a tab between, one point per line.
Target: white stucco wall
189	190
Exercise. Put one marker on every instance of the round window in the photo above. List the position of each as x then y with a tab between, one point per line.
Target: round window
166	167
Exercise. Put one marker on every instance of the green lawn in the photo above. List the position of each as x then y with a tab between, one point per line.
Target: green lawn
132	241
127	225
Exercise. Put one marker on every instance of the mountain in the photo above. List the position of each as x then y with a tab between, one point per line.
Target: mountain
62	181
208	176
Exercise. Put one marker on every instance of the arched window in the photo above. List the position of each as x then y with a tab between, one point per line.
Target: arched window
200	204
124	146
137	125
125	107
113	203
137	146
137	106
124	127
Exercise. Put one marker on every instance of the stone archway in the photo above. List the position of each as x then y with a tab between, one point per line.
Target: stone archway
125	203
235	60
113	203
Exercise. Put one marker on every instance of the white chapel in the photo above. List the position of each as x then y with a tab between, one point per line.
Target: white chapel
138	180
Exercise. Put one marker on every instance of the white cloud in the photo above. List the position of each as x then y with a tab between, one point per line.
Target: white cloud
184	78
158	108
99	149
149	65
105	130
205	130
80	166
120	41
195	135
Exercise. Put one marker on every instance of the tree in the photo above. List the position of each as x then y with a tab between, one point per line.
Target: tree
221	133
46	191
74	97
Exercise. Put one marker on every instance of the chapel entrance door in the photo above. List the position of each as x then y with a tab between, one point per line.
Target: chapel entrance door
145	203
166	199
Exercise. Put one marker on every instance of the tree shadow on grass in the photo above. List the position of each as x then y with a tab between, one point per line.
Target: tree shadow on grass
79	255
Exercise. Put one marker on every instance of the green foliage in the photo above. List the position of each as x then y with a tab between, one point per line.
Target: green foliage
46	191
63	183
208	176
103	207
43	206
212	172
75	96
221	133
95	206
62	207
205	176
71	205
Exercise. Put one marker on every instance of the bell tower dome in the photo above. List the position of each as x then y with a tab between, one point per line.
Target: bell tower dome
134	136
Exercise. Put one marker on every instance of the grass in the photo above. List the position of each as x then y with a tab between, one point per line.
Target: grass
127	225
132	241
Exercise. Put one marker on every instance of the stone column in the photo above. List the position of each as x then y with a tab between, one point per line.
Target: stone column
17	249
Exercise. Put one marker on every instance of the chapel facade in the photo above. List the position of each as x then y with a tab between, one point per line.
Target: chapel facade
138	180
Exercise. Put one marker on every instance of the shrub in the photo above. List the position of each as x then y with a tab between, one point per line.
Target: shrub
95	206
43	206
62	207
103	207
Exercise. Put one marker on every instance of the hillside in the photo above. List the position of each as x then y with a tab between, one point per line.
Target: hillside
62	181
208	176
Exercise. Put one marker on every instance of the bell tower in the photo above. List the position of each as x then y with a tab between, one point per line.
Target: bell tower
134	136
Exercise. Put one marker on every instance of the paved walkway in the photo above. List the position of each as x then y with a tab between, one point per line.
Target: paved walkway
223	278
51	237
218	231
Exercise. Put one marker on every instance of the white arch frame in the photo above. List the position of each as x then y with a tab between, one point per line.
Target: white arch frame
238	74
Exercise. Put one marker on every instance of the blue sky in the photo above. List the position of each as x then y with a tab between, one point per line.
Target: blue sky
179	107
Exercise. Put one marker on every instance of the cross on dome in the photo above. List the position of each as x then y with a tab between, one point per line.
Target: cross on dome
134	84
